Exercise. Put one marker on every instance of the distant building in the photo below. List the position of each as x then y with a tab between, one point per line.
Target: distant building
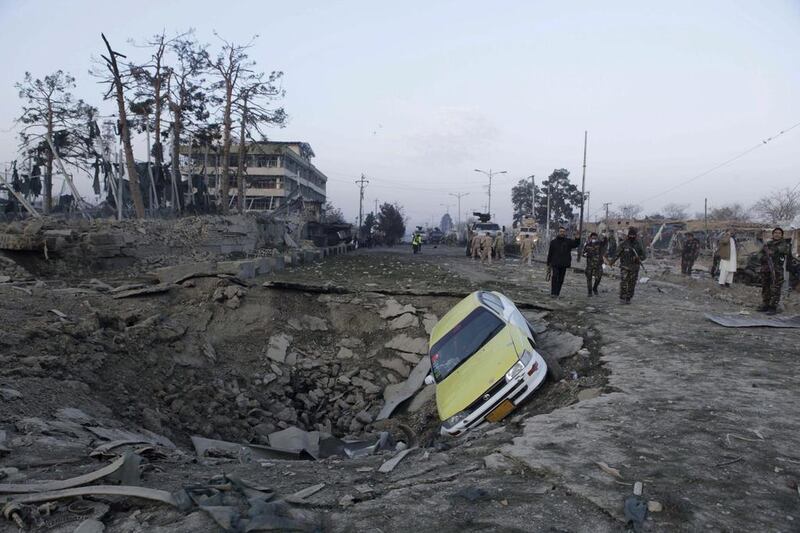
276	174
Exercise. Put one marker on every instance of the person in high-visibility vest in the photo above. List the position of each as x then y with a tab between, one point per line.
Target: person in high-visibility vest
416	243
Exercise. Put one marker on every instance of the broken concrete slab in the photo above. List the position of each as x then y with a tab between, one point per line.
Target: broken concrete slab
179	273
429	321
368	386
397	365
344	353
422	397
410	357
278	344
406	320
392	308
240	269
152	289
392	463
558	344
394	395
739	321
295	440
406	343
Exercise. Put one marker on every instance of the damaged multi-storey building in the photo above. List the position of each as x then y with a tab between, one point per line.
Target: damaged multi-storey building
276	173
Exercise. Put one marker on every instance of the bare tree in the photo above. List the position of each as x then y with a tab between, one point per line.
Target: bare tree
186	95
675	211
732	212
117	87
51	113
629	210
150	90
230	65
252	107
780	206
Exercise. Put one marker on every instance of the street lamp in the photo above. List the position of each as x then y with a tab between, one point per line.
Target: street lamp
491	174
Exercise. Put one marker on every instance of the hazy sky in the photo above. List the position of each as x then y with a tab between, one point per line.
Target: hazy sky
418	94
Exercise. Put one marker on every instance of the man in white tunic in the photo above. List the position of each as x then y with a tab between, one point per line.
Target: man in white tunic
727	259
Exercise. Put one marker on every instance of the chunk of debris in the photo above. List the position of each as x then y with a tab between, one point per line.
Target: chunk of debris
392	308
405	343
278	344
394	395
390	465
301	495
558	344
9	395
406	320
152	289
608	470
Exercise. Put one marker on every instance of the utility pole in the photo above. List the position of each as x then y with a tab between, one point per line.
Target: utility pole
605	205
583	190
375	213
547	227
491	174
533	197
459	195
361	184
705	217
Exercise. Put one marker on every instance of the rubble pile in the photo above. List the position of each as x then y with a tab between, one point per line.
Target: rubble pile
81	246
217	359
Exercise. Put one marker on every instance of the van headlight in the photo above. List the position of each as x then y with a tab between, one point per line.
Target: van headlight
514	372
455	419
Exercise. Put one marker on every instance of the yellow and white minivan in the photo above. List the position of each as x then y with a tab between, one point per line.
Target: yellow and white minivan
483	362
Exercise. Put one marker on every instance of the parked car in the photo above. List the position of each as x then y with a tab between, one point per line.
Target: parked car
483	362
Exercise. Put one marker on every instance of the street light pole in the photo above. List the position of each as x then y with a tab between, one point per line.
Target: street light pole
491	174
459	195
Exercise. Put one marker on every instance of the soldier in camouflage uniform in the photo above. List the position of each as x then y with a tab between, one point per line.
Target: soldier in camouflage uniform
630	254
594	252
775	256
689	253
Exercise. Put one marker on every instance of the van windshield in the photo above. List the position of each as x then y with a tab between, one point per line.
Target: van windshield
464	340
487	227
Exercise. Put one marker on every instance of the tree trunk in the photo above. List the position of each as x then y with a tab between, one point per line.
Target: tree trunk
226	147
240	168
125	134
47	200
158	151
176	144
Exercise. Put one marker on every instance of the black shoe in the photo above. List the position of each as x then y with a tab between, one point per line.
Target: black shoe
590	294
622	300
762	308
628	301
773	311
595	291
727	284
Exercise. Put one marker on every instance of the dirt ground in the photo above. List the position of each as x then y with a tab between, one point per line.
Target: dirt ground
703	416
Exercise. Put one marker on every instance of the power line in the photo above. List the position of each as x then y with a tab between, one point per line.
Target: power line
720	165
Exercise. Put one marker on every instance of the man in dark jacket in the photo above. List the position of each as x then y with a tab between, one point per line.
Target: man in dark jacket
559	259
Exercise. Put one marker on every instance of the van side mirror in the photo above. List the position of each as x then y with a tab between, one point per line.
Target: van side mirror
429	380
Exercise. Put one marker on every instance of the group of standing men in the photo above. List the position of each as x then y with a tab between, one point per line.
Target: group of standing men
774	259
630	254
483	245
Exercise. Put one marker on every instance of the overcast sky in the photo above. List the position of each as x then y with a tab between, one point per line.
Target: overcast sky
418	94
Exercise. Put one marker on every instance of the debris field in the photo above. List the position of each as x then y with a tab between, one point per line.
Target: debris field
193	376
